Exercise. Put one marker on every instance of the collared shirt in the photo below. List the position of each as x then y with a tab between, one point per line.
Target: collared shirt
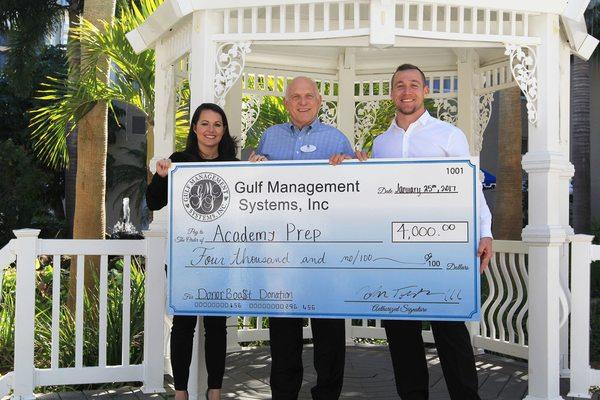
316	141
430	137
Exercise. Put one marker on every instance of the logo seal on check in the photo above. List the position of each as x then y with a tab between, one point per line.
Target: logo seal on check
205	196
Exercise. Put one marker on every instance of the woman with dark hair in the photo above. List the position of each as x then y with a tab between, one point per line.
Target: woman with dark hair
208	140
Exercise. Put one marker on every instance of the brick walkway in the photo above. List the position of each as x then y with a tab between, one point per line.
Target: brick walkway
368	375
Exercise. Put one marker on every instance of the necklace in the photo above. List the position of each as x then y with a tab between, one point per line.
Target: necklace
207	157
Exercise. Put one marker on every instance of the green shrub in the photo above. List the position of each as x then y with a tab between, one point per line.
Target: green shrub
43	318
7	321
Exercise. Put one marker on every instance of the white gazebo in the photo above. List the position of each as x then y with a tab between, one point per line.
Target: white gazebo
235	52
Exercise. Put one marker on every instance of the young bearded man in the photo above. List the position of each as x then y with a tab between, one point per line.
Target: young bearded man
415	133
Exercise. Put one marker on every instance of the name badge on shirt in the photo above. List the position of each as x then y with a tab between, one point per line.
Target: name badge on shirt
308	148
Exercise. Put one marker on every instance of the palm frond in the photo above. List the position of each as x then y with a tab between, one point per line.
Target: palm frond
51	124
68	101
134	72
182	115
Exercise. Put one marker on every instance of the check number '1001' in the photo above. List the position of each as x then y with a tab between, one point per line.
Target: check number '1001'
426	232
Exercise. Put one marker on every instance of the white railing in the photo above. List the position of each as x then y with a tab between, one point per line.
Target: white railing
373	87
308	20
25	377
444	21
253	331
376	87
495	77
583	253
327	19
273	82
503	326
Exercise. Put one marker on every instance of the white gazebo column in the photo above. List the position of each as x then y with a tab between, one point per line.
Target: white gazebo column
544	234
467	63
203	58
565	177
345	106
164	122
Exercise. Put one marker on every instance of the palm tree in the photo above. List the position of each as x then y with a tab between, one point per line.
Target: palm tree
80	102
133	81
75	10
74	101
69	100
92	142
92	136
580	144
580	128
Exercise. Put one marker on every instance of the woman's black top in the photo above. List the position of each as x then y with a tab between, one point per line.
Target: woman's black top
157	191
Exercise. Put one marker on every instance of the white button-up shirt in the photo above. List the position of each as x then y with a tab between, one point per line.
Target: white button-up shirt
430	137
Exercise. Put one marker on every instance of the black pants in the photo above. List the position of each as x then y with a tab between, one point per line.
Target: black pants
410	366
286	353
215	347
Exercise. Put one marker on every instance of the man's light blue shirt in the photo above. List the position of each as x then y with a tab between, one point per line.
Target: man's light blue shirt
316	141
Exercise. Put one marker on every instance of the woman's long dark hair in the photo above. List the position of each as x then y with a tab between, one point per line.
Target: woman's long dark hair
227	146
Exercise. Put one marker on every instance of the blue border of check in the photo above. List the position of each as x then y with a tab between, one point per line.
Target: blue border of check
475	233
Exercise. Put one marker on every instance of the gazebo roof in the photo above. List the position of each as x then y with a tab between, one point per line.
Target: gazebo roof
172	13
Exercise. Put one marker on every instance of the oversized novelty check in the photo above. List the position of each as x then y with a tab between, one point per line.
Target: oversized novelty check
389	239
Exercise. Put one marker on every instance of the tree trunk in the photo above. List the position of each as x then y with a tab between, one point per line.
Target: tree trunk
75	9
508	211
580	144
92	134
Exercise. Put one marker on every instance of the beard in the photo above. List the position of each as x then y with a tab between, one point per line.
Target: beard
409	110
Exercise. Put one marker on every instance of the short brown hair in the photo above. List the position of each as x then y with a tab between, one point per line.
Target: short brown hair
407	67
